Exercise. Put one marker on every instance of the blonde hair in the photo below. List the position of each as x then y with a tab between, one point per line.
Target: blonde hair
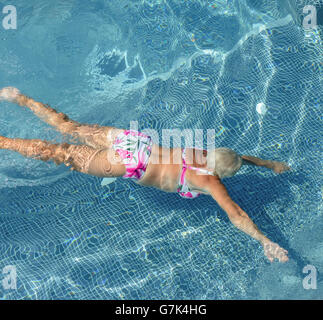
224	161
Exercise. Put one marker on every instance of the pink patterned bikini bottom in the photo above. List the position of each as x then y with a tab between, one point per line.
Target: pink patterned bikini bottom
134	148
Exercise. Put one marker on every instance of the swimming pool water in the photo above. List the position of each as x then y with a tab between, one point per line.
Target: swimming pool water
167	64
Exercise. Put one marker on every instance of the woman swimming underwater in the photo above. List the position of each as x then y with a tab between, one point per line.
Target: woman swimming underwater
114	152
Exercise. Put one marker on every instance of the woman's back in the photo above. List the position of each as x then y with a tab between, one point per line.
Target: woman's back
165	167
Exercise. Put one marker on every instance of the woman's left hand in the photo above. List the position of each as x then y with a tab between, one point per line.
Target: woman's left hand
273	251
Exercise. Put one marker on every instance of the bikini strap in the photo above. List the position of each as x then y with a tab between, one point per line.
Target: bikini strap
184	167
194	168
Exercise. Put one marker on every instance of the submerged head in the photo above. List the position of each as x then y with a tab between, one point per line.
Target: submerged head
225	161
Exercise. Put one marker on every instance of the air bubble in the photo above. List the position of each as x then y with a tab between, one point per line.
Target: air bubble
261	108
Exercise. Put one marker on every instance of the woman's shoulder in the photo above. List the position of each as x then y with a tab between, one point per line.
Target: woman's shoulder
200	182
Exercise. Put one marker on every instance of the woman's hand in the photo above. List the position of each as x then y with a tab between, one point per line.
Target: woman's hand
279	167
273	251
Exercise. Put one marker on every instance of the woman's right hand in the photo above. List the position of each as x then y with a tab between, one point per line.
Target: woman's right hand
273	251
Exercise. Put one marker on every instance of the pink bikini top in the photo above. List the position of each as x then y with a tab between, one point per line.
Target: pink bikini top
183	189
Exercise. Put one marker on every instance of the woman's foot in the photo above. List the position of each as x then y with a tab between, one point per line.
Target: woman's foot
3	142
9	94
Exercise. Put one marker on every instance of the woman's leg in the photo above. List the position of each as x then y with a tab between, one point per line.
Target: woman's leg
95	136
82	158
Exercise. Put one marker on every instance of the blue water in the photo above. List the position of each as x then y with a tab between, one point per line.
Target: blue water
166	64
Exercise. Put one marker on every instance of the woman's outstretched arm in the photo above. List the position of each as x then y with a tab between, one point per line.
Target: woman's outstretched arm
241	220
276	166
